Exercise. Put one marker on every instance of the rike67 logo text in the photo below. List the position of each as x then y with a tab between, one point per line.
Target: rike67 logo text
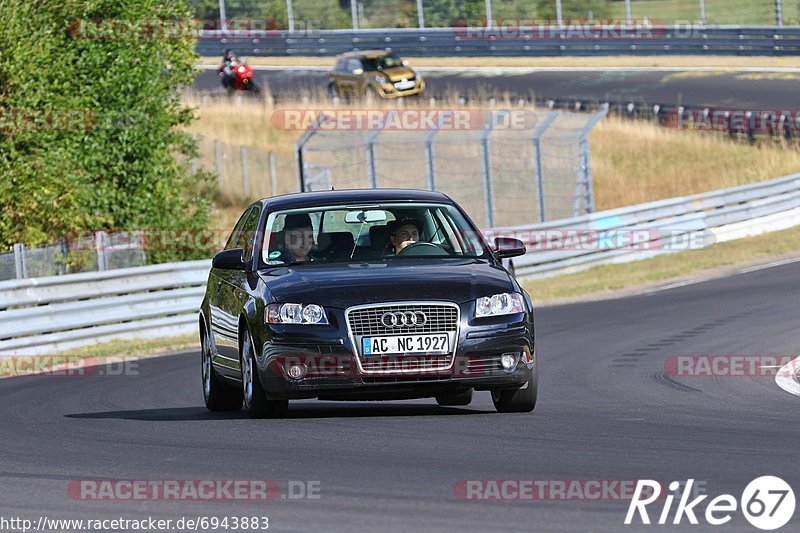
767	502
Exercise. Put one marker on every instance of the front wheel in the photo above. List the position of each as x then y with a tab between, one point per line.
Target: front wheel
522	400
253	87
256	404
218	397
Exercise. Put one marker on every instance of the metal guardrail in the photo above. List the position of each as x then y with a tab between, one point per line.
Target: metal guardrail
665	224
43	315
551	41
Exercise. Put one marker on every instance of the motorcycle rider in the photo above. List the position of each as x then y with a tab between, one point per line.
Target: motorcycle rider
229	62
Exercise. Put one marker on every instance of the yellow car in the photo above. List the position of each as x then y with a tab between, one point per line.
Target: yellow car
373	73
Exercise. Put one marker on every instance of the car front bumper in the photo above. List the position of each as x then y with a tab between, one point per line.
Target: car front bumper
326	357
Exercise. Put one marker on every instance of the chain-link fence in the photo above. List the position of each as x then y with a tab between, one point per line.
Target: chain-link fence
97	252
501	176
307	15
244	173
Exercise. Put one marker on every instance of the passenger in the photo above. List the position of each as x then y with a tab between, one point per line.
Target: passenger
402	233
298	236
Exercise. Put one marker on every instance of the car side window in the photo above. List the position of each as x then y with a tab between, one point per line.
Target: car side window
353	64
247	236
340	66
233	238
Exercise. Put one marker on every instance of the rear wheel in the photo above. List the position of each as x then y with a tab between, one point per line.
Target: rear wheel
256	404
522	400
455	399
218	397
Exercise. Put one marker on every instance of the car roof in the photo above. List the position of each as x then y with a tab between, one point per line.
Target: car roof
364	53
352	196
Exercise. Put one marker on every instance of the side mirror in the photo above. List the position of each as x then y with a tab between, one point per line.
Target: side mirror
506	247
358	71
229	260
405	62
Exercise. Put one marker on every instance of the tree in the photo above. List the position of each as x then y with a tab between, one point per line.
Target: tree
92	135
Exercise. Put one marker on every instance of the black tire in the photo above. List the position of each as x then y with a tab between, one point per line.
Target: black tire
253	87
456	399
255	400
371	95
332	92
217	395
522	400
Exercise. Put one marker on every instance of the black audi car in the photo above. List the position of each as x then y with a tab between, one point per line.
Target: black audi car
364	295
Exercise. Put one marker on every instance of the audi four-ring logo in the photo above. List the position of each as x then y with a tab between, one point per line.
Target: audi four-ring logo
400	319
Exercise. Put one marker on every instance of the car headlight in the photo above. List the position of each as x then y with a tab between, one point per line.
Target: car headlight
380	80
507	303
295	314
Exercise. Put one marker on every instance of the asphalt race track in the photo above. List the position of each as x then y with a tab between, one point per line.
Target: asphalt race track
726	89
606	411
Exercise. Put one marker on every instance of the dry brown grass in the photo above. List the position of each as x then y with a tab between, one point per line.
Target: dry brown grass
632	162
635	162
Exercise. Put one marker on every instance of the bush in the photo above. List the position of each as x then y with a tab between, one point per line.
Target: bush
91	128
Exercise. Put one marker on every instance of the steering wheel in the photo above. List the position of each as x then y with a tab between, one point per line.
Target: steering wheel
424	249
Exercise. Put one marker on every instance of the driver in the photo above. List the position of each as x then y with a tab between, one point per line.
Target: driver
229	62
402	233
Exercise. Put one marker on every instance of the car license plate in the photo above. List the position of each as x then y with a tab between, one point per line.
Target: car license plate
406	344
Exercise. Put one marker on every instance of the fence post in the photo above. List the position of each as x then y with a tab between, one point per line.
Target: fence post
100	247
487	173
559	14
628	12
19	261
489	20
372	175
298	150
420	15
272	173
218	158
703	12
537	154
583	187
290	15
779	12
245	176
64	249
430	167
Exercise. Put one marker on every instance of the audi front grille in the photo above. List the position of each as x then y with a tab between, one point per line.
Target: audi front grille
403	318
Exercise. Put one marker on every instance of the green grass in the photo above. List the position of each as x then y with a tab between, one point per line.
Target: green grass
603	280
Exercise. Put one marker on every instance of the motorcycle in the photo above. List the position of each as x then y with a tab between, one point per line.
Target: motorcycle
241	79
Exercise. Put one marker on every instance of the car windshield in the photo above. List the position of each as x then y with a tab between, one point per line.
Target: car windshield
369	233
382	62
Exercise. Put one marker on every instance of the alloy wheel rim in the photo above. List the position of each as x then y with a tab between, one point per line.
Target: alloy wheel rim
206	368
247	374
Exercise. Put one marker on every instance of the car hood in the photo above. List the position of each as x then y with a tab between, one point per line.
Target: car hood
344	285
398	73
